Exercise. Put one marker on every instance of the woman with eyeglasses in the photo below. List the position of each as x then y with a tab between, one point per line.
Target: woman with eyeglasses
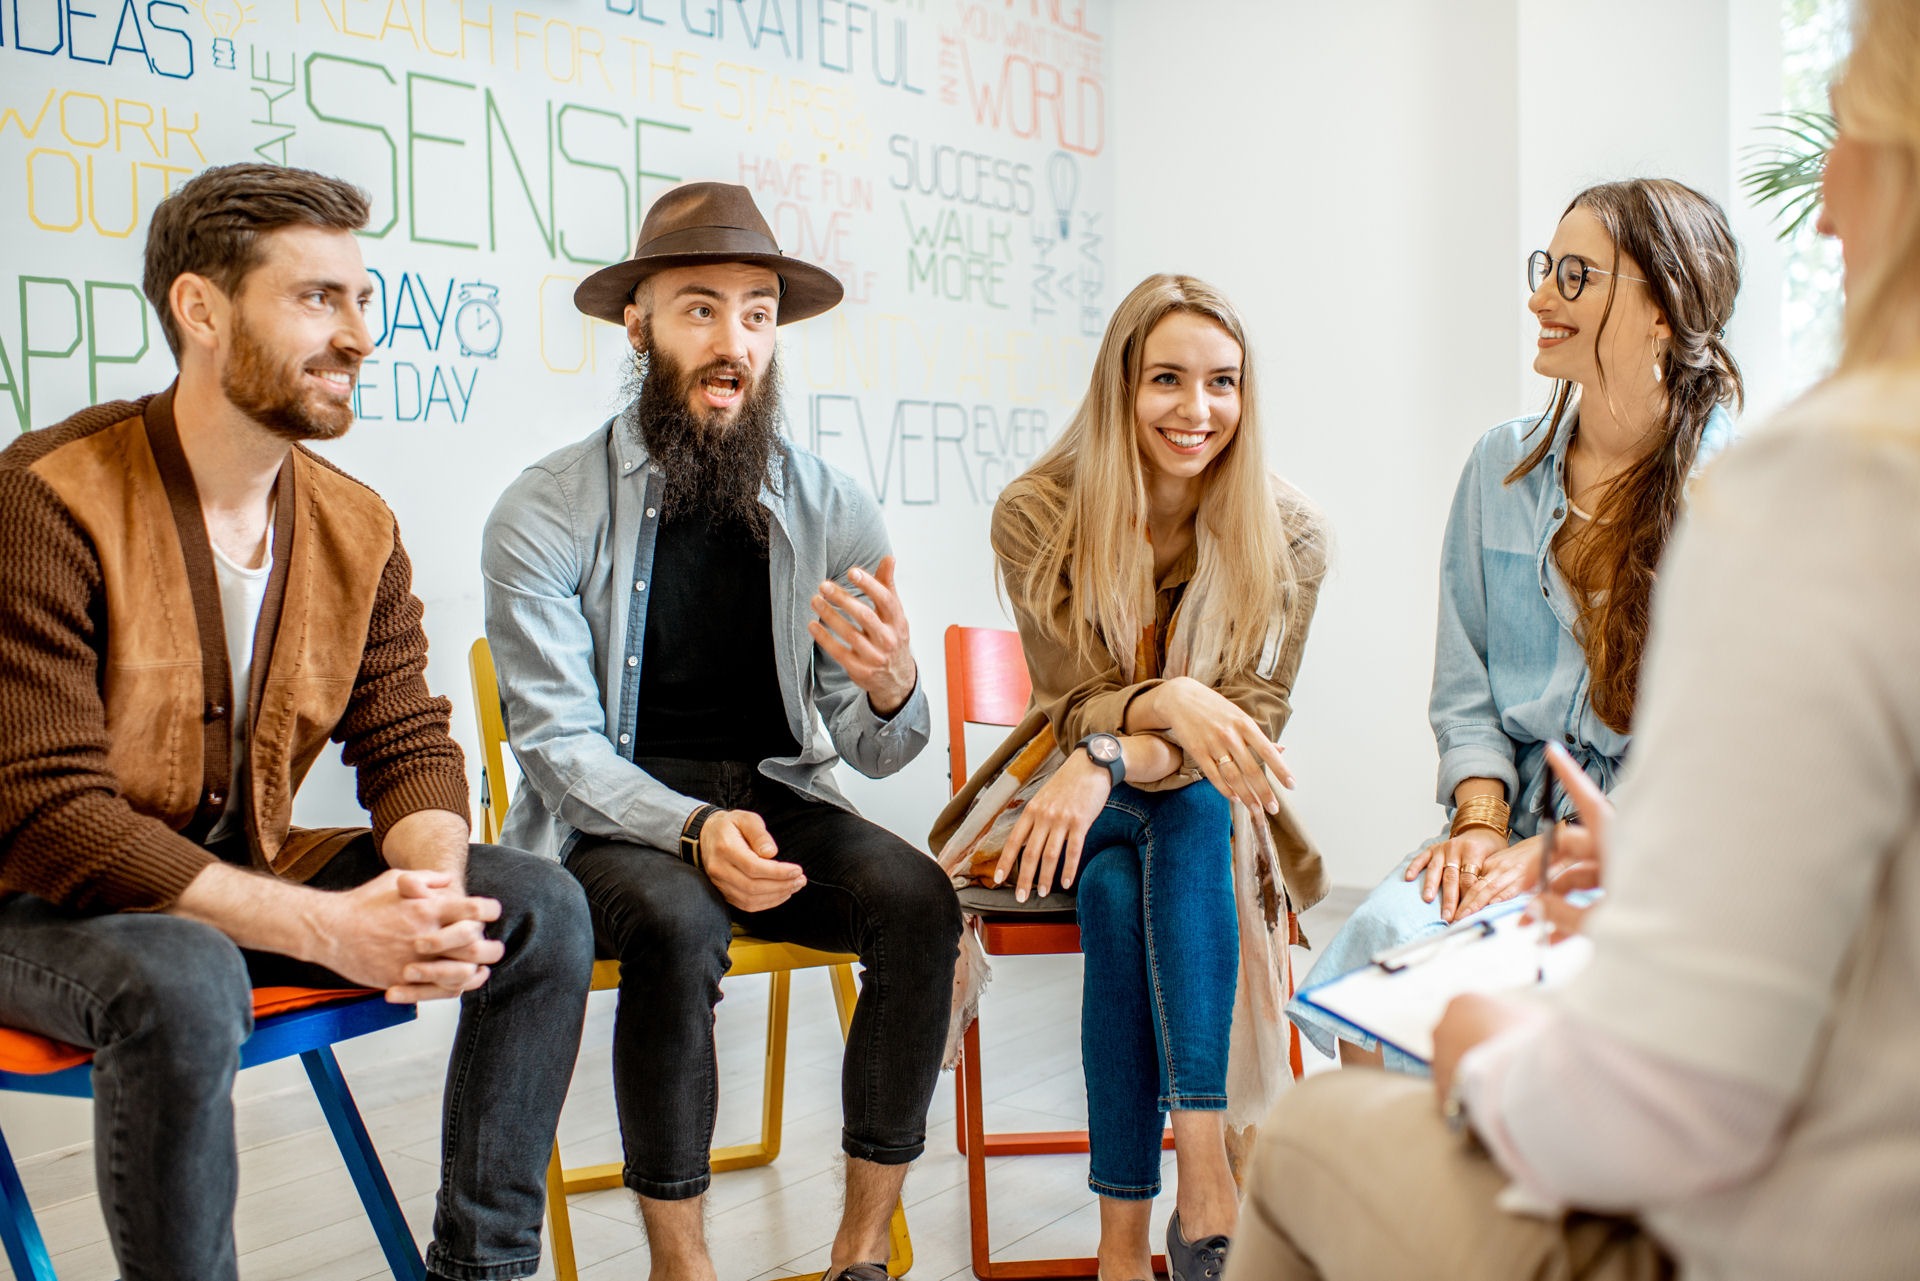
1548	565
1163	581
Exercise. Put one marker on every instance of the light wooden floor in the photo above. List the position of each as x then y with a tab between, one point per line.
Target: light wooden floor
298	1216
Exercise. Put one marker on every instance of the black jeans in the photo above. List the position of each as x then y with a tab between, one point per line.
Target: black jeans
165	1003
867	892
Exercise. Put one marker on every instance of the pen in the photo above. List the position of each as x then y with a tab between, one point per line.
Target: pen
1546	872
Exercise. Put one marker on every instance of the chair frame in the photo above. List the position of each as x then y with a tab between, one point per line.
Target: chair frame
996	697
310	1033
747	955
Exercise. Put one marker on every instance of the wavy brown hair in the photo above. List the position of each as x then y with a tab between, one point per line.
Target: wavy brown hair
1682	242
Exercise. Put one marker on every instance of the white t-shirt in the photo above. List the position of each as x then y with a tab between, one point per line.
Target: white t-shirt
242	592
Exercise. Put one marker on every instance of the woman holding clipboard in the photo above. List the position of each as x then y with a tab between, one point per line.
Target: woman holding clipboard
1726	1090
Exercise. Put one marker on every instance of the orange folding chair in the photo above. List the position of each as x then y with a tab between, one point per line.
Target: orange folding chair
747	955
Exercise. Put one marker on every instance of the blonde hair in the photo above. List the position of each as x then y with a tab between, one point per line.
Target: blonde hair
1878	102
1086	499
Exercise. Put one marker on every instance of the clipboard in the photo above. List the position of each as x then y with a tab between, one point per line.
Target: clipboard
1400	995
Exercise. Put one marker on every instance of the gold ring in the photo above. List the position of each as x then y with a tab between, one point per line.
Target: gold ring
1470	871
1223	761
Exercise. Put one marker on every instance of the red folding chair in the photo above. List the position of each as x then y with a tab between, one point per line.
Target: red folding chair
987	684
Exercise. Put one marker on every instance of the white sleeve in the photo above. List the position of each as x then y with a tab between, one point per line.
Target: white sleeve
1773	758
1575	1117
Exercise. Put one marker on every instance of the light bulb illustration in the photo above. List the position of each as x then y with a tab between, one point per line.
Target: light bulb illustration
1063	180
224	17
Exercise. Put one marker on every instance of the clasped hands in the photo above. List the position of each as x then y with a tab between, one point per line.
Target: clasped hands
1230	748
417	934
1478	868
868	638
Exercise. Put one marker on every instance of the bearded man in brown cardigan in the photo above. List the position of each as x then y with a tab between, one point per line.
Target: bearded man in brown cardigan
191	605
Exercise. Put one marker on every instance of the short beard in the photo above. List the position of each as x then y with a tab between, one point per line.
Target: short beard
273	396
712	468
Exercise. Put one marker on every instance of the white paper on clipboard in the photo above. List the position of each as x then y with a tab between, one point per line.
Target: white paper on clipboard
1401	995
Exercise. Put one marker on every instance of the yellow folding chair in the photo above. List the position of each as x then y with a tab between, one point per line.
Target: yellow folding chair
748	955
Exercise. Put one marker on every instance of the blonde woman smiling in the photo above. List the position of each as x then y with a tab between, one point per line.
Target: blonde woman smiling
1163	582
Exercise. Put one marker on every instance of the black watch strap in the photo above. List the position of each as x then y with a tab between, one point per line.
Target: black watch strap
1117	767
690	833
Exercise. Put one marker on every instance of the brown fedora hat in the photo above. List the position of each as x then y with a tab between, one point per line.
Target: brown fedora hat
700	222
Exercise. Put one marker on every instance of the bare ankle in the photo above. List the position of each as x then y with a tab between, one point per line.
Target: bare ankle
676	1239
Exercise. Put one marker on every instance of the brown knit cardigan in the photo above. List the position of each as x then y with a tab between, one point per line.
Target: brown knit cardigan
115	698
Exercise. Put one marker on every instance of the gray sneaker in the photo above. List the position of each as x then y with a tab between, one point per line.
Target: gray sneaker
1194	1260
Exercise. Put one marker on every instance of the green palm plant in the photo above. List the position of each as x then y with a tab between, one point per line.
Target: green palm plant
1787	169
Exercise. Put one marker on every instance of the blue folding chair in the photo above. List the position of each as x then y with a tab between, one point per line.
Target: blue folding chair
288	1021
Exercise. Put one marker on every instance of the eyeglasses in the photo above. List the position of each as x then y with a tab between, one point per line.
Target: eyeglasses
1570	273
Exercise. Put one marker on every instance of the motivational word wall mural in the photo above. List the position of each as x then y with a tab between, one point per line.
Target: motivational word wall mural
943	158
948	160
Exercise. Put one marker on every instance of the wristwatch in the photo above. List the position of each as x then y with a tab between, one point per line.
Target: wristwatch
1104	749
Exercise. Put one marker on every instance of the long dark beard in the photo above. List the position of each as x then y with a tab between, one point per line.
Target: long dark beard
711	467
272	394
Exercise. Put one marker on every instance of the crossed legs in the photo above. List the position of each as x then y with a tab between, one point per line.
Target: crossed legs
1158	929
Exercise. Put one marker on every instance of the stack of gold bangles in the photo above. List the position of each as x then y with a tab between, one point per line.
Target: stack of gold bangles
1481	811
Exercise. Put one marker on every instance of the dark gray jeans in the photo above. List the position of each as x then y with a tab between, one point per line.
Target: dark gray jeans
868	892
166	1002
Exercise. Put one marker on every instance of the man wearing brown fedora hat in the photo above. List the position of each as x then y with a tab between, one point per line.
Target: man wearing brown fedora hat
693	621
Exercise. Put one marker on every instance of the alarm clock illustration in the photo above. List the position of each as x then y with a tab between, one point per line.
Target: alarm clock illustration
476	321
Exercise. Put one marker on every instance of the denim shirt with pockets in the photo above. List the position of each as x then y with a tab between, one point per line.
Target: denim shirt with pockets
1509	672
566	557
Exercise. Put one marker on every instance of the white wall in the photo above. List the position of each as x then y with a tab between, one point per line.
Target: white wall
1365	181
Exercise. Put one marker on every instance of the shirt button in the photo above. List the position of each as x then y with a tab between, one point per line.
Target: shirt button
215	711
1544	591
216	798
649	511
633	660
1558	512
639	584
1571	741
626	738
626	466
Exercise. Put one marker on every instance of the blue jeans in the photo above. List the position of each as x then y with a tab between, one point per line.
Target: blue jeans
165	1003
1162	946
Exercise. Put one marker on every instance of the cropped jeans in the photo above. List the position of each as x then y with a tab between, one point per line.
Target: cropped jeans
867	892
165	1002
1162	947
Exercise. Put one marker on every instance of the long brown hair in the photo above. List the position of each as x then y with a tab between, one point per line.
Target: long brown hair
1692	266
1087	500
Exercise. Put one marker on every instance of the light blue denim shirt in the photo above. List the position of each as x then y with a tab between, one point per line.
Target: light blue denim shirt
1509	673
566	557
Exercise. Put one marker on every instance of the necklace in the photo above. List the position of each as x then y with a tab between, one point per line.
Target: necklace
1577	510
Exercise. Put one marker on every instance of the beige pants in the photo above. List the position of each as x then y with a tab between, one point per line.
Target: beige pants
1356	1177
